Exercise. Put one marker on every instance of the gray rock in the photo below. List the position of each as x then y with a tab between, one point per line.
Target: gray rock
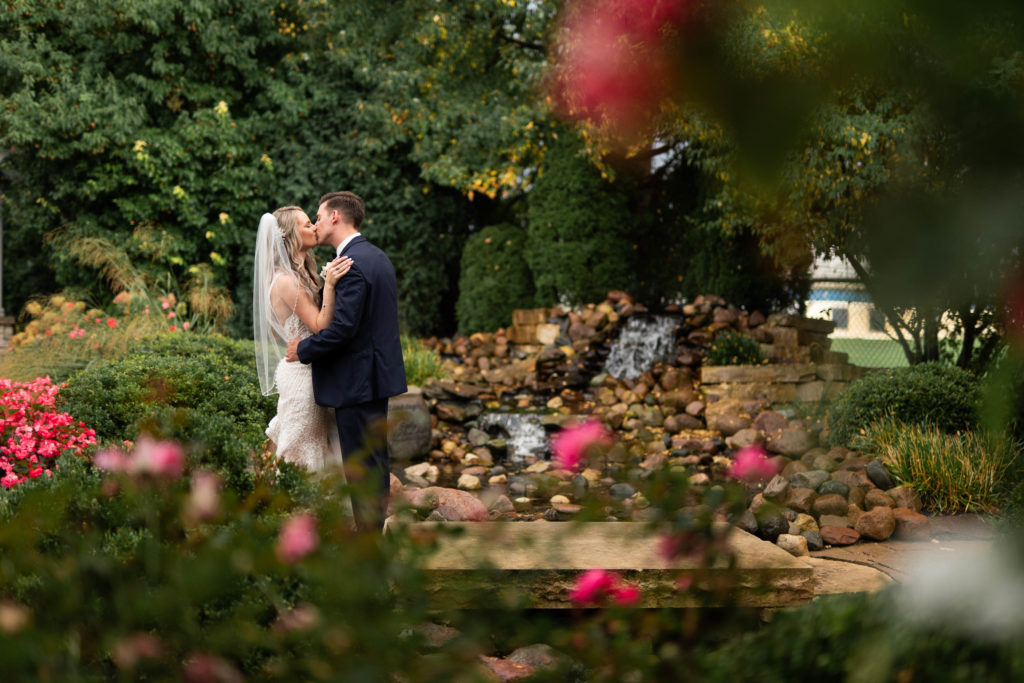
621	491
834	486
409	431
792	441
809	480
777	490
770	421
771	526
747	522
744	438
878	476
539	656
814	540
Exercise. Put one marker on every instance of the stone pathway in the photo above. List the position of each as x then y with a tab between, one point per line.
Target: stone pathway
951	535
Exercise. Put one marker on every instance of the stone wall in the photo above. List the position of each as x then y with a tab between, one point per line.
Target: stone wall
803	368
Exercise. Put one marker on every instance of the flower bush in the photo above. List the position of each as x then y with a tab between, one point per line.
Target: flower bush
33	432
63	334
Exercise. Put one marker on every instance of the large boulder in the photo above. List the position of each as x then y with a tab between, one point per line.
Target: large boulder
409	426
450	504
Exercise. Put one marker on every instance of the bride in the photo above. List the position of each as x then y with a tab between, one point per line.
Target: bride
286	305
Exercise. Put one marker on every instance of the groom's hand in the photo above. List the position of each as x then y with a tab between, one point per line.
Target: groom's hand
293	351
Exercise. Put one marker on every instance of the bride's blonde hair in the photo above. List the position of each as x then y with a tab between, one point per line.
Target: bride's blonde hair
305	269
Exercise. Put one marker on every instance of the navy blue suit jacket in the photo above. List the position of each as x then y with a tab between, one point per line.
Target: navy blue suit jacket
358	356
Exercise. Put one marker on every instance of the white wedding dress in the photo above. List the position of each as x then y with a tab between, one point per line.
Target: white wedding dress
305	434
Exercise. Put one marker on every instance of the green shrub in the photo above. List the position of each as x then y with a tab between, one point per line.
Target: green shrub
860	637
928	394
972	471
198	389
494	279
421	363
733	348
580	243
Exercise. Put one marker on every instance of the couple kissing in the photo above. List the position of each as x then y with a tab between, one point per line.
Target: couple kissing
328	343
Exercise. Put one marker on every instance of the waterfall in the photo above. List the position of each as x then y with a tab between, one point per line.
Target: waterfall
525	433
644	341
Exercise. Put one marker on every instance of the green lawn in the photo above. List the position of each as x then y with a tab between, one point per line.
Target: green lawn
871	353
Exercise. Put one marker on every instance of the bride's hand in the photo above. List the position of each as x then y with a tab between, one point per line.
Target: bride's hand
334	270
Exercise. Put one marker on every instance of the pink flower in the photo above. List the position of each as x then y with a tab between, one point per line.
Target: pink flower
186	325
595	586
571	444
297	538
159	458
111	323
626	595
111	460
204	500
615	62
203	668
750	464
164	305
171	314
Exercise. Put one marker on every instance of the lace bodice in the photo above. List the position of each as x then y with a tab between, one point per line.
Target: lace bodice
294	327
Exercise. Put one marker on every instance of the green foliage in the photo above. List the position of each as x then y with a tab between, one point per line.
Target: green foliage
927	394
198	389
494	280
578	244
421	363
124	569
734	348
972	471
862	637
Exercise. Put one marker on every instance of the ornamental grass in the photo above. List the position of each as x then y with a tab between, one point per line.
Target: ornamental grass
965	471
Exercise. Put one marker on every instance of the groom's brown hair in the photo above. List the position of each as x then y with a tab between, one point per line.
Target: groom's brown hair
349	204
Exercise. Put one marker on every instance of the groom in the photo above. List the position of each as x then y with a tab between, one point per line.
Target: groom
357	358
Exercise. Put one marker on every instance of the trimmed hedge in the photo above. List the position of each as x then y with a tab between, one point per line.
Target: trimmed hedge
581	238
928	394
200	390
494	280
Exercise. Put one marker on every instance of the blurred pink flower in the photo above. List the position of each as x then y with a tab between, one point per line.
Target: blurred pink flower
615	64
750	464
570	445
185	325
130	649
595	586
205	668
626	595
297	538
110	459
164	305
159	458
111	323
204	499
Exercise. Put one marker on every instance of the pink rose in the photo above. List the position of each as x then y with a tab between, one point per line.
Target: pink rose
204	499
595	586
110	459
570	445
297	538
750	464
159	458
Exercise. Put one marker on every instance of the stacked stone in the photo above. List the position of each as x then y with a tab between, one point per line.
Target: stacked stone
823	497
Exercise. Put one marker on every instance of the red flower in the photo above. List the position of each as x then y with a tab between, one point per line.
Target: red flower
111	323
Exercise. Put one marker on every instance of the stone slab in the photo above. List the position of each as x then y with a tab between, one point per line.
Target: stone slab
720	374
774	393
832	577
801	323
900	559
536	564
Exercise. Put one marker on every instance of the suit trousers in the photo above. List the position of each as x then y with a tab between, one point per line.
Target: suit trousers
362	429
